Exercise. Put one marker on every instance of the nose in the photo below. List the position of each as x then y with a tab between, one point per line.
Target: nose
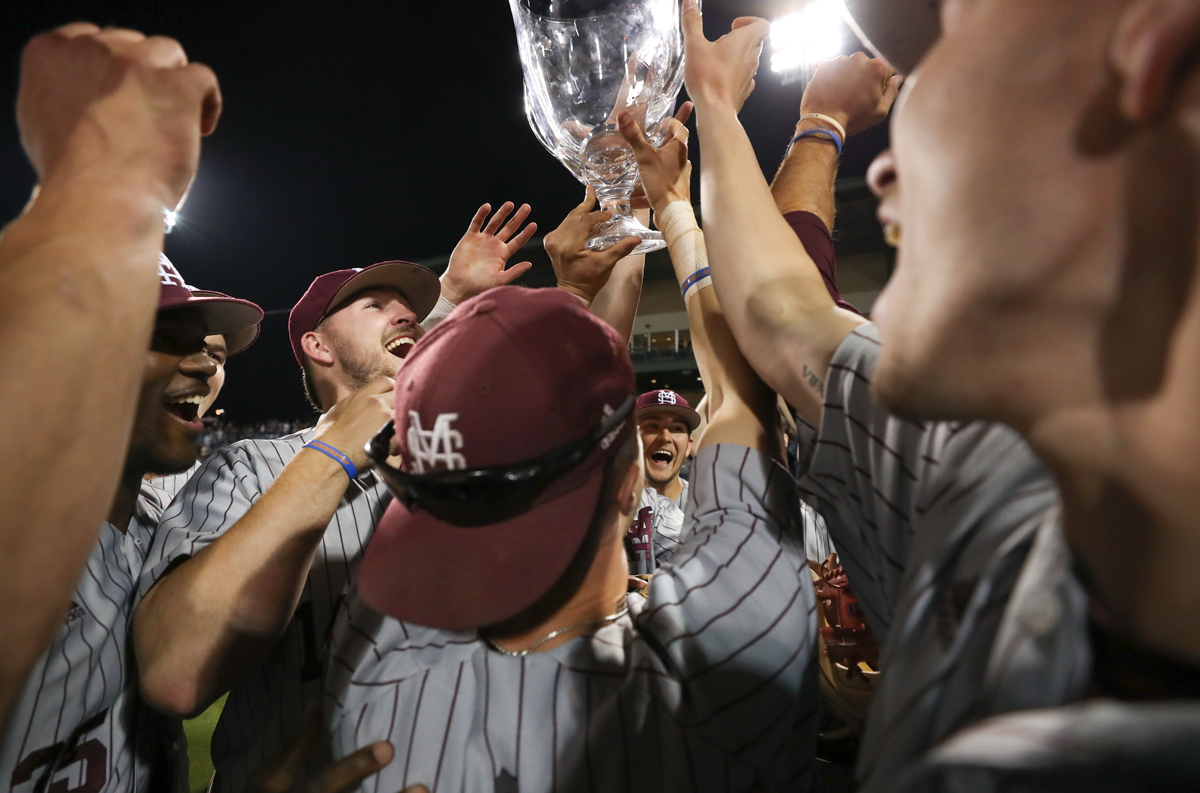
402	315
198	365
881	176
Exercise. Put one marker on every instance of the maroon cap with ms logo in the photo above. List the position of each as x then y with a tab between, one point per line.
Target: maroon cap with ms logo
665	400
509	376
237	320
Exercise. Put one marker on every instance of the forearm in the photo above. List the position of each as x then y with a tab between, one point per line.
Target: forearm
216	615
774	297
732	386
617	302
807	177
78	288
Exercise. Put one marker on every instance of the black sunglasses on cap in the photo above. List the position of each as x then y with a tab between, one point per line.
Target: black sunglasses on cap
479	496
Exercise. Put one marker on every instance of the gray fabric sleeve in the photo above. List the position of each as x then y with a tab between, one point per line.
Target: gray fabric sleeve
733	614
215	498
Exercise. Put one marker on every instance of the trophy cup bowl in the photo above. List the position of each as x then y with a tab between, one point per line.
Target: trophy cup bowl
586	61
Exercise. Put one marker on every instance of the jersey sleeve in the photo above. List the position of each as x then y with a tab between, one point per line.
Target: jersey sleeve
732	617
215	498
818	243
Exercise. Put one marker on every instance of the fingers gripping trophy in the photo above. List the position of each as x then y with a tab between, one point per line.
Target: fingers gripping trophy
586	61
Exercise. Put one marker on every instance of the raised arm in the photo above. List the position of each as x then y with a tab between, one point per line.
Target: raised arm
774	298
205	622
587	273
479	261
740	405
111	122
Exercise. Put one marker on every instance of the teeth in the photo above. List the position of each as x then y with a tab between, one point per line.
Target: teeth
391	345
192	400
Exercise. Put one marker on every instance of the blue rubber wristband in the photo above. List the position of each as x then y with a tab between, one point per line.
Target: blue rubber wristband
833	136
335	455
699	275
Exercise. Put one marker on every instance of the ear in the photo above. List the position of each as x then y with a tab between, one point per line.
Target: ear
1154	43
315	347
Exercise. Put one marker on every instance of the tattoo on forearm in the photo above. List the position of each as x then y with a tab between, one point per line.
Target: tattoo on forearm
814	382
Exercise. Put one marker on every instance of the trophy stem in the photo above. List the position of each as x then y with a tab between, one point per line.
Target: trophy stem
621	225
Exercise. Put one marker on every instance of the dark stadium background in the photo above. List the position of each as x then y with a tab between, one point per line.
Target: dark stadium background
357	132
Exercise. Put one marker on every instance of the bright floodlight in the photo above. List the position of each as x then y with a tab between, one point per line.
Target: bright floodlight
802	40
170	218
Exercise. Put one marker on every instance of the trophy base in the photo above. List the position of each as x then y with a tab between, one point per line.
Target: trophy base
621	227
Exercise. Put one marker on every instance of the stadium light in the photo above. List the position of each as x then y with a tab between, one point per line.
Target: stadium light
170	218
801	40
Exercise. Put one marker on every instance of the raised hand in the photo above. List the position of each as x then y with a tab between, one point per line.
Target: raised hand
580	271
721	72
478	261
278	775
356	419
676	130
857	91
666	172
117	105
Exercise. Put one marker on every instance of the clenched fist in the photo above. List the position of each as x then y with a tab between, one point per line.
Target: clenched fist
117	104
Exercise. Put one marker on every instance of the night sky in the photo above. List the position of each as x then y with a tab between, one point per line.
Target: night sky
352	133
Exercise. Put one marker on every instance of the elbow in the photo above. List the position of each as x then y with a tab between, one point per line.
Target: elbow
172	692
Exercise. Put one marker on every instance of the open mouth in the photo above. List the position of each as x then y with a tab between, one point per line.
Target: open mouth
662	457
186	409
400	347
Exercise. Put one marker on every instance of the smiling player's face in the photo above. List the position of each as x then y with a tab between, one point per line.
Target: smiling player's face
664	443
175	383
372	333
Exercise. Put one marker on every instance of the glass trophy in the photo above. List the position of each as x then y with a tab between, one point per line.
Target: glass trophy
586	61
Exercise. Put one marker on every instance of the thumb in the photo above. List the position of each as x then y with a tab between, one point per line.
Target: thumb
624	248
891	91
692	22
516	271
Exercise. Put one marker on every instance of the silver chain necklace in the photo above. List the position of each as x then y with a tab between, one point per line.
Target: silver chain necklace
521	653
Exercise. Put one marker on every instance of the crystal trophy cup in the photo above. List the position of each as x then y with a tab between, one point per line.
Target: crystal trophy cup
586	61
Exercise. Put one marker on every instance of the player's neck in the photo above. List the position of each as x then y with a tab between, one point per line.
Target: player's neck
672	490
601	595
1128	473
125	500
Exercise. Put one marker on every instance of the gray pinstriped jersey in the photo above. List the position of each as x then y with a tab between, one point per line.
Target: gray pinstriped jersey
264	708
706	685
950	534
171	484
668	521
78	725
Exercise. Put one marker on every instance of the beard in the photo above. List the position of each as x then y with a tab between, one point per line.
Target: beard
360	364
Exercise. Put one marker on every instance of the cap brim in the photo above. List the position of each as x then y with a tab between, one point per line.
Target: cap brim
222	315
422	570
238	338
419	285
689	416
901	31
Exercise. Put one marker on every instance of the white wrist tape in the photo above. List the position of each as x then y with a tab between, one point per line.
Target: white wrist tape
440	311
833	122
685	241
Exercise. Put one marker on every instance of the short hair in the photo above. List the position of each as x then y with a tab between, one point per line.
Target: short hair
572	578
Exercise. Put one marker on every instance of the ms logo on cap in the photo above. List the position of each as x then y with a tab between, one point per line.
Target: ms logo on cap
437	446
168	275
666	398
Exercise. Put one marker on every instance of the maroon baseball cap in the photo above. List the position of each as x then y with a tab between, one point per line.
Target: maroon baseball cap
507	377
238	320
419	285
667	401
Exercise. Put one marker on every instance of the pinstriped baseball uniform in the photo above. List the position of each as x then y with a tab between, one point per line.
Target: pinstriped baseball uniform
951	535
706	685
264	708
78	725
171	484
668	521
